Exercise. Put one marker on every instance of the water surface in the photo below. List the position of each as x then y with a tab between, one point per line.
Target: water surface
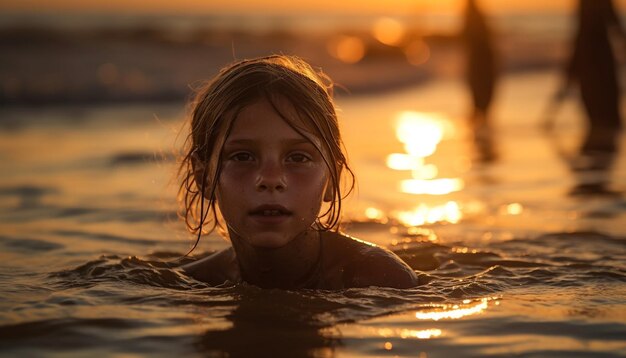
525	253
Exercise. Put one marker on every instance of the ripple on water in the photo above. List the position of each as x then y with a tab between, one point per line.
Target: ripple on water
26	245
128	302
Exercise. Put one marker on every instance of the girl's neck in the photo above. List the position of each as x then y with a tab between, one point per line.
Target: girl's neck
294	265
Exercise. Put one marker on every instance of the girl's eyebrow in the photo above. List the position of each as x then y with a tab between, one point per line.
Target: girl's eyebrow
288	141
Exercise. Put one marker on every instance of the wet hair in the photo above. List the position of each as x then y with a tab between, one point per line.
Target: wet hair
217	105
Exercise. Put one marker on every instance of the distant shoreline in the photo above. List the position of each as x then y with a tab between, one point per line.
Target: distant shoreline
44	66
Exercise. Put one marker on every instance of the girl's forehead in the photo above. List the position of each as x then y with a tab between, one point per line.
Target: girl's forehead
276	117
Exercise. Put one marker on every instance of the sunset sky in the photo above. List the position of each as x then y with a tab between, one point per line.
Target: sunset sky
281	6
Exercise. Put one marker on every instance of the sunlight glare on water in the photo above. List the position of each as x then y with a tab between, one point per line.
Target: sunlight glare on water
440	186
421	133
468	308
425	214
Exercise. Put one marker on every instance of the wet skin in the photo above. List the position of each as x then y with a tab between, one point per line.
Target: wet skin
272	180
344	263
270	191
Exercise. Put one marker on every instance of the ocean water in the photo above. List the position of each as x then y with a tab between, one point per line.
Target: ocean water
522	236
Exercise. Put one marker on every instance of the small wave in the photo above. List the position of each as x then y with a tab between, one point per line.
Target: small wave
337	306
130	269
138	158
610	275
28	245
93	336
29	195
451	277
34	210
421	255
106	237
557	260
27	190
73	330
559	243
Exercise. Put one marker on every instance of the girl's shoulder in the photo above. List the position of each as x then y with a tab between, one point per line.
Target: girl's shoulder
215	269
364	264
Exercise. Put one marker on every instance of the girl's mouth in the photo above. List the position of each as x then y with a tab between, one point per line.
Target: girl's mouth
270	210
270	215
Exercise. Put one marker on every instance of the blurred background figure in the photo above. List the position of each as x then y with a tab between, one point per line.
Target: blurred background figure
481	74
592	66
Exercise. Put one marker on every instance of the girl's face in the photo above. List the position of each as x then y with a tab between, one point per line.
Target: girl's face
273	179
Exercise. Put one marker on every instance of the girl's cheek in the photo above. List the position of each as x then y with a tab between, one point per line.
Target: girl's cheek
310	178
232	180
235	171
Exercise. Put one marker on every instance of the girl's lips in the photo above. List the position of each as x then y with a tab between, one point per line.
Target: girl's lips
270	210
270	214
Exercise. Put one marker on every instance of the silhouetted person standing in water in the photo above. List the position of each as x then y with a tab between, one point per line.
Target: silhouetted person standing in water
593	66
481	74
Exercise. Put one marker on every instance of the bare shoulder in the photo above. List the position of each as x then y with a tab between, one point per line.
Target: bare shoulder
214	269
364	264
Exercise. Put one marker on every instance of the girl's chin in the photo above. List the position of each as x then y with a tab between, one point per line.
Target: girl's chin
269	241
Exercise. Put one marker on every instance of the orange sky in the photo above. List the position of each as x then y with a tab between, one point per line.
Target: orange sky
286	6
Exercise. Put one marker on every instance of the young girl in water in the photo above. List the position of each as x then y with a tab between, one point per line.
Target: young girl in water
263	163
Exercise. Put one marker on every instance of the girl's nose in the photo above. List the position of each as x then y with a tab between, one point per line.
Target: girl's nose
271	178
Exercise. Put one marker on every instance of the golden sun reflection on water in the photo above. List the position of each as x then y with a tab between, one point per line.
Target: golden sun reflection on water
374	214
410	333
514	209
431	186
421	133
402	333
468	308
425	214
411	329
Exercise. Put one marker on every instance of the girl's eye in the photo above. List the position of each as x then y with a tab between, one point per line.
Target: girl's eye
241	157
299	158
